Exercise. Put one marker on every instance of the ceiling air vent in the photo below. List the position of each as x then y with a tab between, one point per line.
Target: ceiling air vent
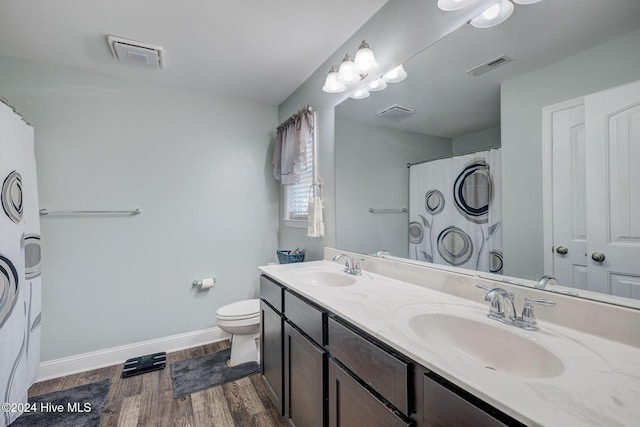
488	66
135	53
396	112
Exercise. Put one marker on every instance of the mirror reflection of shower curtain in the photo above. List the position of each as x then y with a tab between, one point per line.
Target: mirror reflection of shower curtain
455	211
20	292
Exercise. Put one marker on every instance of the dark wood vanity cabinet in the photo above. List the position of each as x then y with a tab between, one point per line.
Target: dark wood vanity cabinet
305	362
272	340
304	378
353	404
322	371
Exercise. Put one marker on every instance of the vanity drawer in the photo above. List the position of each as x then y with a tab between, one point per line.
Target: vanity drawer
271	292
382	371
306	316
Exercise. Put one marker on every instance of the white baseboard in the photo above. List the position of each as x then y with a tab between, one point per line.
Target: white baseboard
115	355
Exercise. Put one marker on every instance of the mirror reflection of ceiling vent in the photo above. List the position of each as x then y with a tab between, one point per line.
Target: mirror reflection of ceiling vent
136	53
396	112
491	65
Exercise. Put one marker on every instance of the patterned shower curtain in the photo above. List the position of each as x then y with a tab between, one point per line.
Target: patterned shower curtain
455	211
20	291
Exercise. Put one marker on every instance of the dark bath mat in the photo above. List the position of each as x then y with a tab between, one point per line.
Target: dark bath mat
74	407
199	373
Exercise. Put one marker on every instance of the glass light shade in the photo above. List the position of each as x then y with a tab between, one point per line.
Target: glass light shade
365	61
449	5
331	83
396	75
347	73
360	94
376	85
494	15
526	1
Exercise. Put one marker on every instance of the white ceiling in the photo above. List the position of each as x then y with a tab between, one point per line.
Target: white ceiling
259	50
450	103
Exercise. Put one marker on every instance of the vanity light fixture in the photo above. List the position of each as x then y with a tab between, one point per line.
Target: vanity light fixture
494	15
360	94
331	84
396	75
351	70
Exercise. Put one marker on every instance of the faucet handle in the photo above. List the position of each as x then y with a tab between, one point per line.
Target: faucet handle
529	321
541	301
357	266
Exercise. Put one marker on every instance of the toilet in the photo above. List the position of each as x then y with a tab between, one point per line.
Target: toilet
242	320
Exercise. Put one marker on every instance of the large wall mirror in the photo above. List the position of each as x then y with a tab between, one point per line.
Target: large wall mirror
556	53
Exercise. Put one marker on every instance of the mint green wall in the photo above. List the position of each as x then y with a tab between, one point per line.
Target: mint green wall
198	165
522	99
371	171
477	141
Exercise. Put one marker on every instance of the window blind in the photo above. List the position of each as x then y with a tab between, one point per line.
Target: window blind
297	199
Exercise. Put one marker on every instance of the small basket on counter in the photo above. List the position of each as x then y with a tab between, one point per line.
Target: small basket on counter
288	257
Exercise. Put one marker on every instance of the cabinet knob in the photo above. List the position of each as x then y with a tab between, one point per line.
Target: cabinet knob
598	256
562	250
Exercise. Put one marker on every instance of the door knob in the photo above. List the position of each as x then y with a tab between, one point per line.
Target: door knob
562	250
598	256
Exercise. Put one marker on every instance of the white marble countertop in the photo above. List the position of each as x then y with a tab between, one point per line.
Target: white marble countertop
599	382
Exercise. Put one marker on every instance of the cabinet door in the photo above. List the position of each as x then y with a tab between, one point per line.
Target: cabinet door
350	404
304	380
272	354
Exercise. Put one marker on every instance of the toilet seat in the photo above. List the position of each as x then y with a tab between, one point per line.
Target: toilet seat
241	310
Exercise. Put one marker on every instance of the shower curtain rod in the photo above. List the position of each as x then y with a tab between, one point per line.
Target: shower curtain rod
448	156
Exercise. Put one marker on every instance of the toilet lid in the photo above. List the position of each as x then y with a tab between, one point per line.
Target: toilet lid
240	309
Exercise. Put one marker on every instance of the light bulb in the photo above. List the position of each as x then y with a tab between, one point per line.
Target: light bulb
494	15
331	83
492	12
396	75
346	72
360	94
378	84
449	5
365	61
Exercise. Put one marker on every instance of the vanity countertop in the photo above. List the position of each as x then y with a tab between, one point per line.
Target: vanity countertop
599	384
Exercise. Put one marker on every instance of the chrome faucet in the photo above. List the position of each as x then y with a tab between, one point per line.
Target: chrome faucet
351	266
549	280
546	280
502	308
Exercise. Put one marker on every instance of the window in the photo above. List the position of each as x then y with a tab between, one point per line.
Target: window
297	195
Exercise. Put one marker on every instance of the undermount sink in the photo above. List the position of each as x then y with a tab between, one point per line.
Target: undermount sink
474	338
318	277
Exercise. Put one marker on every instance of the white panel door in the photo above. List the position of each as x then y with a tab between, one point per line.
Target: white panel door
613	200
569	195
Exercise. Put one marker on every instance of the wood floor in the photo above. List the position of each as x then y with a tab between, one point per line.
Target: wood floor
147	399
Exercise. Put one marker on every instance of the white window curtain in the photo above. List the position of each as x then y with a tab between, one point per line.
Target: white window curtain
455	211
295	137
20	287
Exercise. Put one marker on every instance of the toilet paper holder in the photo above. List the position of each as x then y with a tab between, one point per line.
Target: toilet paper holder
204	283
